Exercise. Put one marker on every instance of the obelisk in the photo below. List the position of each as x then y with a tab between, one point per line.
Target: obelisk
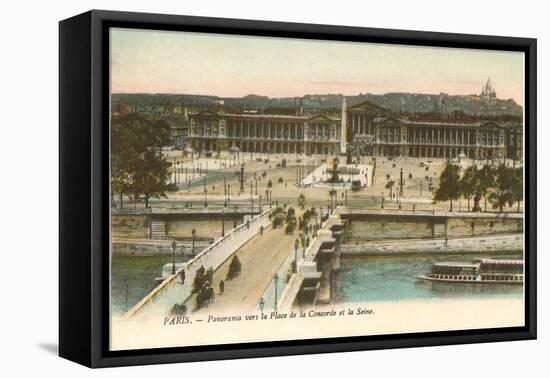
343	128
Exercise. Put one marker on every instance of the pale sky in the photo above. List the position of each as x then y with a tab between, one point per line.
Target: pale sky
144	61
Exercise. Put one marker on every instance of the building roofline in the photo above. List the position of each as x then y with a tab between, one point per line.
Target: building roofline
366	102
280	116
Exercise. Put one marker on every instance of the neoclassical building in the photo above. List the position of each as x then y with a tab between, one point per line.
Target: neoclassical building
218	131
366	129
375	132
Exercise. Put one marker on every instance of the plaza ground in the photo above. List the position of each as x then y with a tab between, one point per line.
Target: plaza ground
420	180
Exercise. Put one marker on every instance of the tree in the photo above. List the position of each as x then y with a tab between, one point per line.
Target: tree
138	167
517	186
123	158
234	268
278	217
302	201
355	185
290	220
290	227
199	280
153	176
485	181
468	183
290	215
502	194
448	184
178	309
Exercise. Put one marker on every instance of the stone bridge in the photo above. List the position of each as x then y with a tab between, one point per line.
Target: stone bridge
171	291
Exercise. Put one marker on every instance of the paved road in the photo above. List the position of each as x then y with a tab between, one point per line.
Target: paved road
260	259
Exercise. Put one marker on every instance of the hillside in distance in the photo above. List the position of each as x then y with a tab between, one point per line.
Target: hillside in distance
401	102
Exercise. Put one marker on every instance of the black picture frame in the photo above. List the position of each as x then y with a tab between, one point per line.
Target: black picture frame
84	192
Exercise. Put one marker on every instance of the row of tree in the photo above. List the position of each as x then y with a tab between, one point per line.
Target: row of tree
138	168
499	186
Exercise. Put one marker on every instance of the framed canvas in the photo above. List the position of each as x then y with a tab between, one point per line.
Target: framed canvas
235	188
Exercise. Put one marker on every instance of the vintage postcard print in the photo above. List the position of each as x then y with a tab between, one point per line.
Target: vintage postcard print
269	189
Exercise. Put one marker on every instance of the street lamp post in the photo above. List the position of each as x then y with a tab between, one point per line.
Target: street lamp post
251	201
401	182
242	177
193	233
174	170
276	281
296	256
346	197
382	200
235	217
224	191
223	223
173	257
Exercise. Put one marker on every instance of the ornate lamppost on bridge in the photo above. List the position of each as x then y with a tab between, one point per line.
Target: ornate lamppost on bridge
224	191
177	171
251	201
401	183
205	193
242	177
235	217
346	197
174	170
193	233
223	223
276	281
173	257
296	243
228	192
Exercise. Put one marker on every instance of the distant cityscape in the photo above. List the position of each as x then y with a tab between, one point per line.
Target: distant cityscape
393	124
485	103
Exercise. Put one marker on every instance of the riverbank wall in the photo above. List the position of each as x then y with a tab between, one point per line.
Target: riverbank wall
150	247
379	224
509	243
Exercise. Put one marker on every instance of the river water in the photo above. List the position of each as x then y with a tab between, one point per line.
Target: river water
360	279
368	279
132	277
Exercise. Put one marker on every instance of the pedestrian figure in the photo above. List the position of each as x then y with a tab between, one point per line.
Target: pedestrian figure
446	241
222	286
261	230
182	276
